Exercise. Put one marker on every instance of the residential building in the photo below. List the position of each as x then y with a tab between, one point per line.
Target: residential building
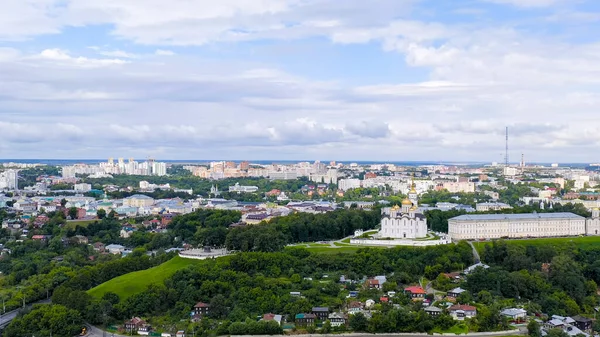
9	180
433	311
136	324
272	317
455	292
303	320
510	171
494	226
583	323
80	239
281	175
25	205
491	206
115	249
462	311
320	312
376	282
201	309
337	319
82	187
514	314
348	184
138	200
459	187
355	307
415	292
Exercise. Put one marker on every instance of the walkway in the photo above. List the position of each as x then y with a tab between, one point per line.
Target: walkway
475	253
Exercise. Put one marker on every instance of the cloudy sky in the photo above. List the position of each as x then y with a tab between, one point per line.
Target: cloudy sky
385	80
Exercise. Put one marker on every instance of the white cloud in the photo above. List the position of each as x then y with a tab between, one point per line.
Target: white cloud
459	83
163	52
528	3
119	54
63	57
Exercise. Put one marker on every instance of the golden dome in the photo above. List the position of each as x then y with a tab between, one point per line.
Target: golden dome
414	208
406	202
395	208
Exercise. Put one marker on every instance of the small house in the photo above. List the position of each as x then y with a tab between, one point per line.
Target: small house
355	307
272	317
136	324
514	314
583	323
454	293
201	309
415	292
461	311
115	249
433	311
337	319
304	320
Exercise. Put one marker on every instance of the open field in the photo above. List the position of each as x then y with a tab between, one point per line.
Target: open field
582	242
132	283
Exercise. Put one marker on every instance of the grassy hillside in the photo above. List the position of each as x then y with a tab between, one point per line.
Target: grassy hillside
582	242
132	283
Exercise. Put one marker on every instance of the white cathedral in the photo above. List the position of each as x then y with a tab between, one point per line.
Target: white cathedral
404	222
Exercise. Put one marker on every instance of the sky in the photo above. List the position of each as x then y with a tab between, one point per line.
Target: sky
381	80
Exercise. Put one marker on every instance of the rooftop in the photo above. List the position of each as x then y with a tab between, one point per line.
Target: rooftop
524	216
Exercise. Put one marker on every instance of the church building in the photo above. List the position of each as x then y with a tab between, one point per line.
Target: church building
404	222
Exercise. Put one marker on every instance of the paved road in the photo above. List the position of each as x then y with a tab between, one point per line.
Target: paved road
96	332
9	316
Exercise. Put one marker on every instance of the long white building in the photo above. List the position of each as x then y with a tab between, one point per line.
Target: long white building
495	226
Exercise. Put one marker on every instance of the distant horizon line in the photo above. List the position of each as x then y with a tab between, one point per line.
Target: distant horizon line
424	162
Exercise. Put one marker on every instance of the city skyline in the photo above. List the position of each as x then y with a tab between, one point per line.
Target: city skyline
380	81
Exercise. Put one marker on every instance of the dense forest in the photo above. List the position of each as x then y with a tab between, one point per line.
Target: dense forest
210	227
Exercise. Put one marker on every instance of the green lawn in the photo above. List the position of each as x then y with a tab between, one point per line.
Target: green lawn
340	248
582	242
132	283
458	329
83	223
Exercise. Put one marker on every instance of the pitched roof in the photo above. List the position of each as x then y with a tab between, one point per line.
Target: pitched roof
433	309
415	290
201	305
581	319
320	309
513	312
307	316
462	307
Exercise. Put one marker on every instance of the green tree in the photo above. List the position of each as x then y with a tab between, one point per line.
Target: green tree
73	212
533	328
358	322
101	214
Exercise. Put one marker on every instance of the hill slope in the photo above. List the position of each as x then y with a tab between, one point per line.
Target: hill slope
132	283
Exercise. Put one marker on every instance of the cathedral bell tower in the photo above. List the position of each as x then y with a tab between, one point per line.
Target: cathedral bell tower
412	194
